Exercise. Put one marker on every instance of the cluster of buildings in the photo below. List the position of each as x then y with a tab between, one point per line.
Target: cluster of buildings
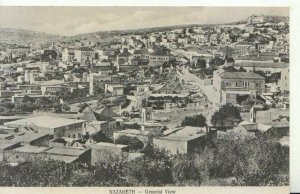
135	78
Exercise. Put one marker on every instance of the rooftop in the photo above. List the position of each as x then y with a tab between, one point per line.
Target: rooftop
142	52
28	136
44	121
159	53
132	131
241	75
65	151
112	145
279	124
31	149
266	65
185	133
66	159
125	54
4	144
197	49
266	116
50	82
116	85
86	49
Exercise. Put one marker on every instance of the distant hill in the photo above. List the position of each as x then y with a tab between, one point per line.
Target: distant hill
138	31
20	36
237	22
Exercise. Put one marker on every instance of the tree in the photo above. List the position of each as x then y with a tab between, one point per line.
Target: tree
259	161
100	137
154	169
125	114
230	69
195	121
227	116
57	107
242	69
40	172
217	61
273	78
105	102
189	169
132	126
190	30
259	72
49	55
82	107
66	107
201	63
134	144
27	99
230	60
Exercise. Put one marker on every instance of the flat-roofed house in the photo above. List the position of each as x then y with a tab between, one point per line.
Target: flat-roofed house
32	138
158	57
108	152
102	120
84	55
69	155
182	140
59	127
23	154
141	54
230	85
123	58
267	67
17	99
115	89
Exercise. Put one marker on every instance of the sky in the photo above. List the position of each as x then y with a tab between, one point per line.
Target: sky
68	21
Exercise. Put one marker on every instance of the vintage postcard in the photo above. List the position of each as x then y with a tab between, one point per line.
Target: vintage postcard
148	100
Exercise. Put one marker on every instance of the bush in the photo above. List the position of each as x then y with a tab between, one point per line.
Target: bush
134	144
251	162
195	121
227	116
154	169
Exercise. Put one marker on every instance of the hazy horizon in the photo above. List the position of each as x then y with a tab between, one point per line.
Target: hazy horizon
69	21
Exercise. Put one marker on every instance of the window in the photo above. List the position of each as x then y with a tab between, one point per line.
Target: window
74	136
79	135
257	84
226	83
245	84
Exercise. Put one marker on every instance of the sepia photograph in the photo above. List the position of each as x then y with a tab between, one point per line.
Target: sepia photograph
152	96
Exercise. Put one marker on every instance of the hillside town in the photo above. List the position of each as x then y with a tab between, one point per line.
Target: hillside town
107	96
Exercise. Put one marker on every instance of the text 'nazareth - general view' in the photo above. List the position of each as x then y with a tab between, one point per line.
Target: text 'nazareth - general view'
144	96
